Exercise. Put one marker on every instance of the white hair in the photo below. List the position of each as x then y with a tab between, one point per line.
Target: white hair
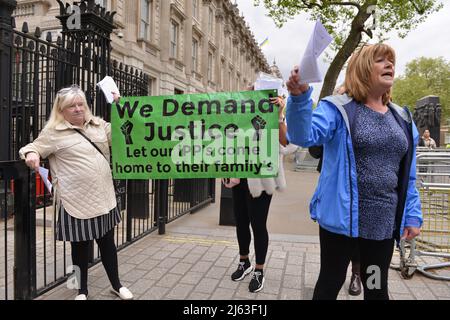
65	98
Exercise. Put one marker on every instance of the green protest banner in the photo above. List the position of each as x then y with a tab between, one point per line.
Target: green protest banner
220	135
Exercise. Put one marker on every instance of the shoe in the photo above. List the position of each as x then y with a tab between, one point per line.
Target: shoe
123	293
354	288
81	297
257	282
244	268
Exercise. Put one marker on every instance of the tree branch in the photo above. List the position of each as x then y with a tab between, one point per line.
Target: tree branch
332	3
345	4
368	32
419	10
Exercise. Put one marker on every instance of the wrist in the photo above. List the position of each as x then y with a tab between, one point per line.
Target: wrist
30	152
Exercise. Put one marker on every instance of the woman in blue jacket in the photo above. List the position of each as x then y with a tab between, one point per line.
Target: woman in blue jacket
366	195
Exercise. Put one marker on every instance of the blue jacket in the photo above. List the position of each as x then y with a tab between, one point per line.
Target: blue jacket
335	202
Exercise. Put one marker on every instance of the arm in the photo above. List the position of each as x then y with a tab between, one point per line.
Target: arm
41	147
306	128
107	125
413	211
433	144
279	101
282	134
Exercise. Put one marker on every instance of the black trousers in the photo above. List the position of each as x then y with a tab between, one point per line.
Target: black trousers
251	211
108	251
335	253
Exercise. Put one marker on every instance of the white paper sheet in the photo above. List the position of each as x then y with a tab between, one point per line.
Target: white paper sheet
268	82
44	175
107	85
319	41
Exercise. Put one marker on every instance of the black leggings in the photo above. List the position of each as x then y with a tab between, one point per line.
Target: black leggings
254	211
108	251
335	253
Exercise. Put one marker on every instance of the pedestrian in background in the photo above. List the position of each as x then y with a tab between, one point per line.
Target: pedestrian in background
251	202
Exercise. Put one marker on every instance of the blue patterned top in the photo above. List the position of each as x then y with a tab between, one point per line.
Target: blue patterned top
379	144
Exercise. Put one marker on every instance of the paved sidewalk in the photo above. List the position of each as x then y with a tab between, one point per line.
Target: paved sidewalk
196	263
196	256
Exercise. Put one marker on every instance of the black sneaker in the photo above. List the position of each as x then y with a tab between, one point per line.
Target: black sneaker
244	268
257	282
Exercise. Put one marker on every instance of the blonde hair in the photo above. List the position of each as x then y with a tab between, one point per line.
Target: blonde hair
359	71
64	99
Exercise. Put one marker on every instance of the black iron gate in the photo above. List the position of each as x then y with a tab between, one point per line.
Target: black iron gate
32	71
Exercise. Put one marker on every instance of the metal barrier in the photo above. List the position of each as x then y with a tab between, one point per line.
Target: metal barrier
433	183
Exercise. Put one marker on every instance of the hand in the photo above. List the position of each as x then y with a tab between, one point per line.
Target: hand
410	233
32	160
293	85
116	97
279	101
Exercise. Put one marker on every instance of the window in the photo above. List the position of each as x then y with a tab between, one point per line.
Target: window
210	20
102	3
151	86
194	54
174	40
195	8
210	66
145	27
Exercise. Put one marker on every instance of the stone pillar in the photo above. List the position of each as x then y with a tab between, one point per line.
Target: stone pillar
165	23
205	42
188	39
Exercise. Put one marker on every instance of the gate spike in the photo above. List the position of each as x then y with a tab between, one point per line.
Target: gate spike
25	27
37	32
61	7
83	7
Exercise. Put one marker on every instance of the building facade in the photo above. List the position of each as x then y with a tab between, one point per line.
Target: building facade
185	46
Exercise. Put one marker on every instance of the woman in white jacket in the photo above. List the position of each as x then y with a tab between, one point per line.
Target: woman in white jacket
77	146
251	201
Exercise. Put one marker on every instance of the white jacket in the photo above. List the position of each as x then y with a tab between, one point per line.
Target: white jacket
81	176
269	185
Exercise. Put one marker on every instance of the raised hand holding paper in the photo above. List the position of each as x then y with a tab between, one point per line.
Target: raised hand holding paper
319	41
108	86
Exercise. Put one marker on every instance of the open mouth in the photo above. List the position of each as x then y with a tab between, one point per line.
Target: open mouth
388	74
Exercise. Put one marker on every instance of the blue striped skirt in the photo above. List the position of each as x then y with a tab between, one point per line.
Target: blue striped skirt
72	229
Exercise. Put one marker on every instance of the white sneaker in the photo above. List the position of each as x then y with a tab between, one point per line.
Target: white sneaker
81	297
123	293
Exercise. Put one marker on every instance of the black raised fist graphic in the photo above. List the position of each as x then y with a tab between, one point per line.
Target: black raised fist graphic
126	128
259	124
